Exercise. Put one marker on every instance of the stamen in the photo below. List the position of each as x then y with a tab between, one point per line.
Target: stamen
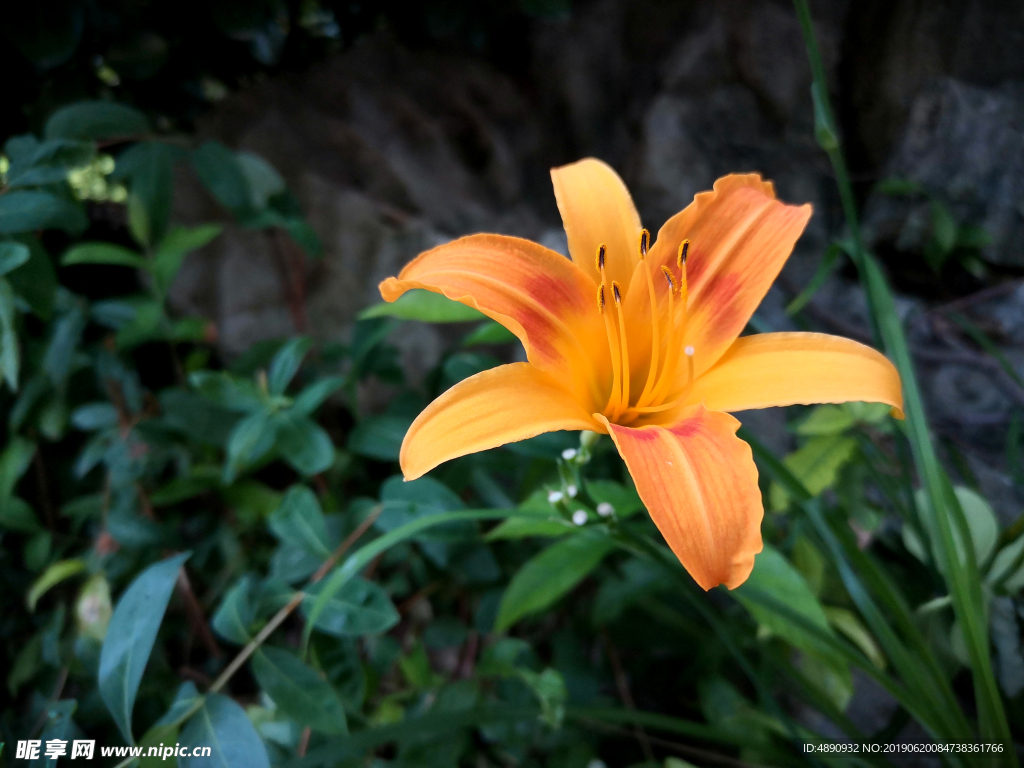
601	250
684	249
671	280
652	370
688	351
624	402
613	352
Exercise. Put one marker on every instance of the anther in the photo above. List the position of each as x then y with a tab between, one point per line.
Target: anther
645	242
600	298
600	257
684	249
671	280
616	293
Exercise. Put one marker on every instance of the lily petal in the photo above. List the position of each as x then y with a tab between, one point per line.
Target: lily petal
540	296
699	483
770	369
503	405
740	237
596	209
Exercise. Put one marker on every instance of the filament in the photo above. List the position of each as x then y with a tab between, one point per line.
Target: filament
652	372
617	295
613	352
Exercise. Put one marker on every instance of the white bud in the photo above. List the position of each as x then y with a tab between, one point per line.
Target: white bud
580	517
604	509
554	497
569	454
571	491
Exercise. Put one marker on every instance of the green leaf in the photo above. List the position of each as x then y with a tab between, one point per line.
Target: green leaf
49	163
218	168
299	521
14	462
624	499
176	245
251	440
313	396
12	255
228	392
236	613
299	691
36	280
982	524
847	622
491	332
426	306
944	229
551	526
304	445
358	608
52	576
17	515
826	420
130	638
144	327
27	211
816	465
774	576
263	179
286	364
548	576
148	167
95	120
379	437
103	253
826	266
223	726
10	351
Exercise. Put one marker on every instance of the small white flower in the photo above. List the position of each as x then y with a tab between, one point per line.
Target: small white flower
571	491
604	509
580	517
569	454
554	497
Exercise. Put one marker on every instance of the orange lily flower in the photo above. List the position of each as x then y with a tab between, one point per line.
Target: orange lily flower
641	342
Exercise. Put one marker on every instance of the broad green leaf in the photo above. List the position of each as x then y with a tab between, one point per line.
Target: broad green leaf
10	350
103	253
14	462
49	163
236	613
624	499
227	391
176	245
144	327
299	691
130	637
223	726
379	437
548	576
218	168
358	608
12	255
774	576
427	306
27	211
52	576
816	464
490	332
826	420
263	179
981	524
17	515
93	416
286	364
848	624
299	521
36	280
250	441
185	702
96	120
636	579
148	167
313	396
304	444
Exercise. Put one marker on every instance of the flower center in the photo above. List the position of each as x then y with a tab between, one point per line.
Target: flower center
624	407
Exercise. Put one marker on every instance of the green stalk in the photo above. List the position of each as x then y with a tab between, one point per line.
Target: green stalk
962	578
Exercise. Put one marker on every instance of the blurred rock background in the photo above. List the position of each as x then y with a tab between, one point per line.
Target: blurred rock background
400	127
